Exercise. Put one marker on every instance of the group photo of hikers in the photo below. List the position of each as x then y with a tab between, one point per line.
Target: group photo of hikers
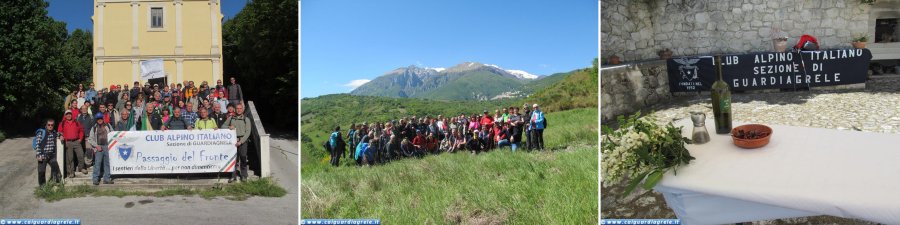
92	114
372	143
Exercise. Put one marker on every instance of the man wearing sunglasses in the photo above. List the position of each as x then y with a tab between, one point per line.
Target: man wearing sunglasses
45	152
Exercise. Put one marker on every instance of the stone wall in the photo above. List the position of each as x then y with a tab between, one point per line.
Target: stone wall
635	30
626	89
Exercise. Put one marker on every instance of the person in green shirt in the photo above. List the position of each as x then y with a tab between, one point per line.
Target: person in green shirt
241	126
205	122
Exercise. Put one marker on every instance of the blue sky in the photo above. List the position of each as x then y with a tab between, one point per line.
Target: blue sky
77	13
348	40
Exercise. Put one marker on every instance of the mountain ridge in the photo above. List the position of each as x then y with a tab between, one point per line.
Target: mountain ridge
463	81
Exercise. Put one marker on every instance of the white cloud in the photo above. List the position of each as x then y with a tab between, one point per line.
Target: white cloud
356	83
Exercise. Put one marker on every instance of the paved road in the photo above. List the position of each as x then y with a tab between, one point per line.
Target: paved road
18	178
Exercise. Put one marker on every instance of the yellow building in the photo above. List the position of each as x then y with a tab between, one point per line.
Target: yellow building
185	34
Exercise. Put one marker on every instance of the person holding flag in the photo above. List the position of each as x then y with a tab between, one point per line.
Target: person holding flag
151	119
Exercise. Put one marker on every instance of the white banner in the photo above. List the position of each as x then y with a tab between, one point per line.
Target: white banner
172	151
152	69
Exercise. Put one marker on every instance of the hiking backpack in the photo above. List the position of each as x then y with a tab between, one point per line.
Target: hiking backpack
39	137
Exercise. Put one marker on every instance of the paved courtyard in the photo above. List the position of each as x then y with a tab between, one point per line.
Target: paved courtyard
875	109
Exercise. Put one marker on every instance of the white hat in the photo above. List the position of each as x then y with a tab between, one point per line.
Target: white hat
534	106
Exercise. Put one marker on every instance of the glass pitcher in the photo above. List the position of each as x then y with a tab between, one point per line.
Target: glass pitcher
701	135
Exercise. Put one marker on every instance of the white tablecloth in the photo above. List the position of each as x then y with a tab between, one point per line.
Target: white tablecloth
801	172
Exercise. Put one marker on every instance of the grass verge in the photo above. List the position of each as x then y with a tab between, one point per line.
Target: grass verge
265	187
497	187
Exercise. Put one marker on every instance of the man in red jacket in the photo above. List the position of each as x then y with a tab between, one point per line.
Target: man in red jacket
72	136
419	141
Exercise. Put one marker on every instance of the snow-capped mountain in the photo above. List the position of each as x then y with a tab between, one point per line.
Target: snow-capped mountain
467	80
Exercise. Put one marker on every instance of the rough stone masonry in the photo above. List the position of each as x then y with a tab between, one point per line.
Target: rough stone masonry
637	29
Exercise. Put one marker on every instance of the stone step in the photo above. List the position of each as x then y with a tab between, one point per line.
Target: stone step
153	182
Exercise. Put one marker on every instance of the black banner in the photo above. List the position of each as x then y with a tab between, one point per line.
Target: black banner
769	70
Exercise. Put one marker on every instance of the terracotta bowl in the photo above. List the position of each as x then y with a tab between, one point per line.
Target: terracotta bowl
751	143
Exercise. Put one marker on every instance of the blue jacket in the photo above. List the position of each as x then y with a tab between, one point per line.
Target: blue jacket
537	119
90	95
334	137
360	149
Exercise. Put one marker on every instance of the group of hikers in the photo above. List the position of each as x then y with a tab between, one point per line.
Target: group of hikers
90	115
379	143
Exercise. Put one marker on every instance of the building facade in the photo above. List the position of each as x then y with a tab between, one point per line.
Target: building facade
185	34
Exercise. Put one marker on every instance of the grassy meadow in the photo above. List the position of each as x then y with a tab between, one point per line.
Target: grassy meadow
497	187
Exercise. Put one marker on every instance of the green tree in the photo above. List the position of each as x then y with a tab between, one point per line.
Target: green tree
260	50
78	54
33	72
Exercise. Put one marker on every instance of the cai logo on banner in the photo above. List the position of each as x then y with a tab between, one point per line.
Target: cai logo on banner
125	151
689	71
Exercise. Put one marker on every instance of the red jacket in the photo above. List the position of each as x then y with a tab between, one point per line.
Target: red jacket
71	130
487	122
419	140
431	145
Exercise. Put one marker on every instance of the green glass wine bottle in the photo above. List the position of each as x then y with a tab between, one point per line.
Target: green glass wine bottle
721	100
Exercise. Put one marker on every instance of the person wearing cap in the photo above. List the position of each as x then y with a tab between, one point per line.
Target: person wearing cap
148	90
45	153
538	124
72	136
98	142
242	127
